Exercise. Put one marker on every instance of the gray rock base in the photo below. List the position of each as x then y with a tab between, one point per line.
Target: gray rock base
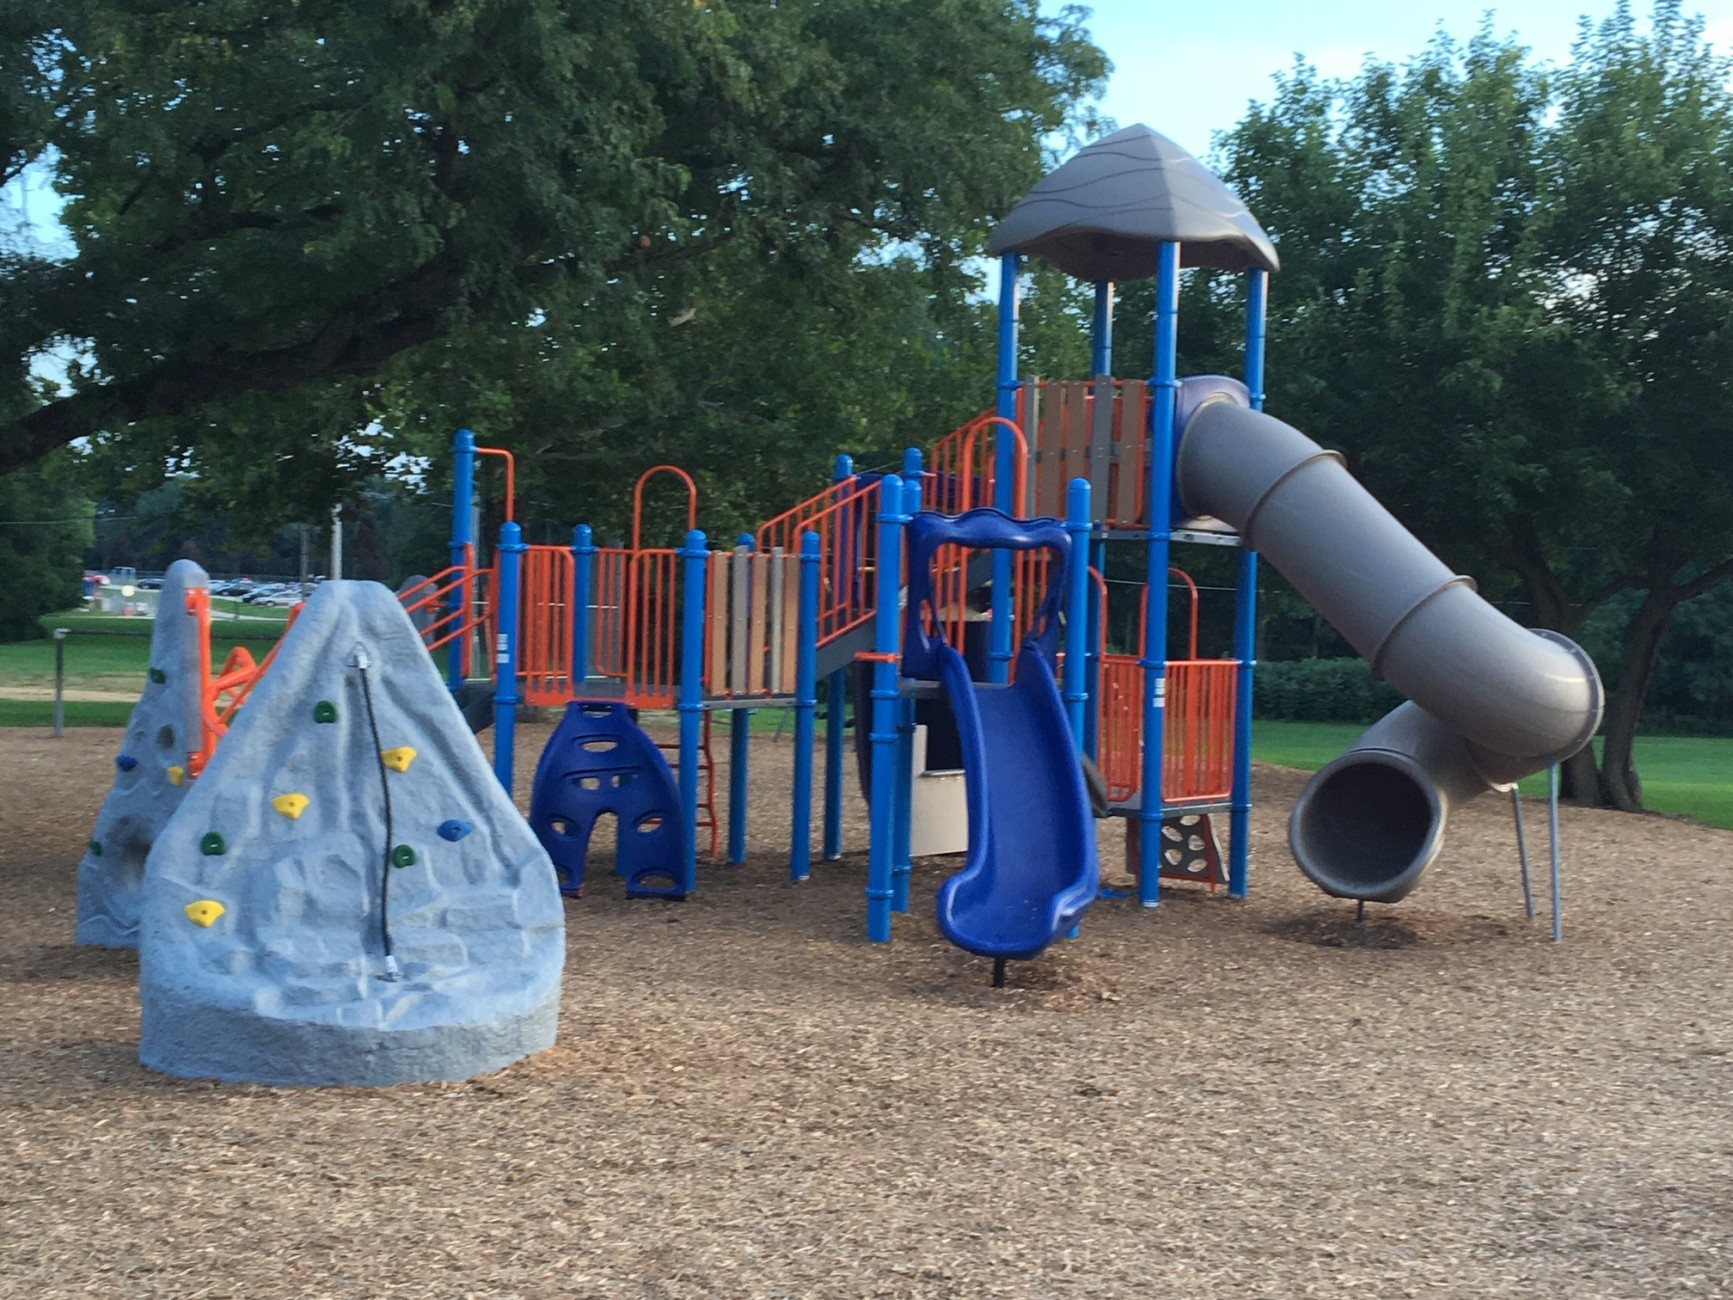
163	726
285	985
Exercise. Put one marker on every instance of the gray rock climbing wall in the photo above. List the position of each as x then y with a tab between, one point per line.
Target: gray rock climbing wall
150	778
262	956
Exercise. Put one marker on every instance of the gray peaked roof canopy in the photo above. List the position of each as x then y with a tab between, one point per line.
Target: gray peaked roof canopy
1101	215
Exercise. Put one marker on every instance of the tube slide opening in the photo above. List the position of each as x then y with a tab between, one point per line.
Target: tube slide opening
1366	826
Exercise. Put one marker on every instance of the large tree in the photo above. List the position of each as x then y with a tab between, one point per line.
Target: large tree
577	225
1506	293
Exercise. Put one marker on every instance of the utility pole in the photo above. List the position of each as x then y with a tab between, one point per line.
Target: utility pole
336	569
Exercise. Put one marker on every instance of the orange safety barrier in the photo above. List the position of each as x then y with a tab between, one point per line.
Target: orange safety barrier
228	689
843	516
545	640
1071	436
1198	721
442	620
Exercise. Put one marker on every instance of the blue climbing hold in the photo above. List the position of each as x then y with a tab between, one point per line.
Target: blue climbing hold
454	830
125	762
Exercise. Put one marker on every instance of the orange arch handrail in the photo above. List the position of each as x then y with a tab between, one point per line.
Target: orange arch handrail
510	475
638	500
1019	465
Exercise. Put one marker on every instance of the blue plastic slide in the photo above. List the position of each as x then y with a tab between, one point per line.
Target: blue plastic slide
1031	869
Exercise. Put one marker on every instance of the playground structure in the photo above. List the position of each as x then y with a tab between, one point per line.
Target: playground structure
878	572
819	589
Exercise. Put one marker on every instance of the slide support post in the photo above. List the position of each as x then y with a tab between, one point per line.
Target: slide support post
1163	389
836	688
883	737
805	705
694	556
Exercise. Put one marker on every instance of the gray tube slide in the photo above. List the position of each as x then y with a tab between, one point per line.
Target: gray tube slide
1489	700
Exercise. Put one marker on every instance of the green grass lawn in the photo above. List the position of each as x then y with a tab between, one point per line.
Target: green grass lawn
1691	776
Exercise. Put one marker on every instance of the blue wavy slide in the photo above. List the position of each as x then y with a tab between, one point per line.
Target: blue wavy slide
1031	868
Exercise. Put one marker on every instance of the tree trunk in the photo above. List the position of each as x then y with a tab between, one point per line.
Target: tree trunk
1620	786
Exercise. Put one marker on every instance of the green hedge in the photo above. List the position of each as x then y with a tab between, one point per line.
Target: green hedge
1320	690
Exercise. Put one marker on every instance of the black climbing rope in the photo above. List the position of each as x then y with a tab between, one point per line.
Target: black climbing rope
385	789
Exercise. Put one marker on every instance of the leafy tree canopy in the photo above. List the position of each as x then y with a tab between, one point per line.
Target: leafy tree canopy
313	235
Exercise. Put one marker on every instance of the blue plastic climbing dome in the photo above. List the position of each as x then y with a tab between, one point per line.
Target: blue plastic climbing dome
600	761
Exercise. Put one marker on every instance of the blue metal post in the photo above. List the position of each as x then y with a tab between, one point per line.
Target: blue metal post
903	813
511	551
1101	330
1004	469
583	580
1246	616
462	508
836	706
805	705
1163	389
690	698
883	736
739	758
1075	684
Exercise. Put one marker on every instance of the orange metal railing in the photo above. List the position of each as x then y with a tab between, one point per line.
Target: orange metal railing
545	638
226	690
1197	725
843	516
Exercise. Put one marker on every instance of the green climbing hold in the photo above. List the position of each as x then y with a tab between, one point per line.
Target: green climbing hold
403	856
213	845
324	711
158	676
95	847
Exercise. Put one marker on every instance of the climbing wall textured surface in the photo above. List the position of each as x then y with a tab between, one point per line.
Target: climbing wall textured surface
262	954
150	771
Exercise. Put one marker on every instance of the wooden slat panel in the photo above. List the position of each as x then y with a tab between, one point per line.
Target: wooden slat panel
716	621
738	592
777	573
1100	447
758	621
1076	439
1131	429
790	622
1050	478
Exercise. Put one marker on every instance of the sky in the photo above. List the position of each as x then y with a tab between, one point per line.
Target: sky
1189	70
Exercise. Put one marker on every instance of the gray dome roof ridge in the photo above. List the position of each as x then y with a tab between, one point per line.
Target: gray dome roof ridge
1103	213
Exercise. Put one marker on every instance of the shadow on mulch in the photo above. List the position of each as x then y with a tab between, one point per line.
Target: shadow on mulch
51	962
1387	930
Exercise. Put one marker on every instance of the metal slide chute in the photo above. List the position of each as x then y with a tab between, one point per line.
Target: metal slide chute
1490	701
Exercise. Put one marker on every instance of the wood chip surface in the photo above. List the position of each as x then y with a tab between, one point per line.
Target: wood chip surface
1214	1099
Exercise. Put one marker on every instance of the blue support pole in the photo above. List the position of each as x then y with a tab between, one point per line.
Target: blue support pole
462	509
511	551
901	861
805	705
739	759
1074	686
883	736
694	555
836	688
1246	617
1163	389
1101	330
1004	469
583	581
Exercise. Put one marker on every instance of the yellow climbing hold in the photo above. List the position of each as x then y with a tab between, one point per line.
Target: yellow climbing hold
176	774
399	759
204	911
291	805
